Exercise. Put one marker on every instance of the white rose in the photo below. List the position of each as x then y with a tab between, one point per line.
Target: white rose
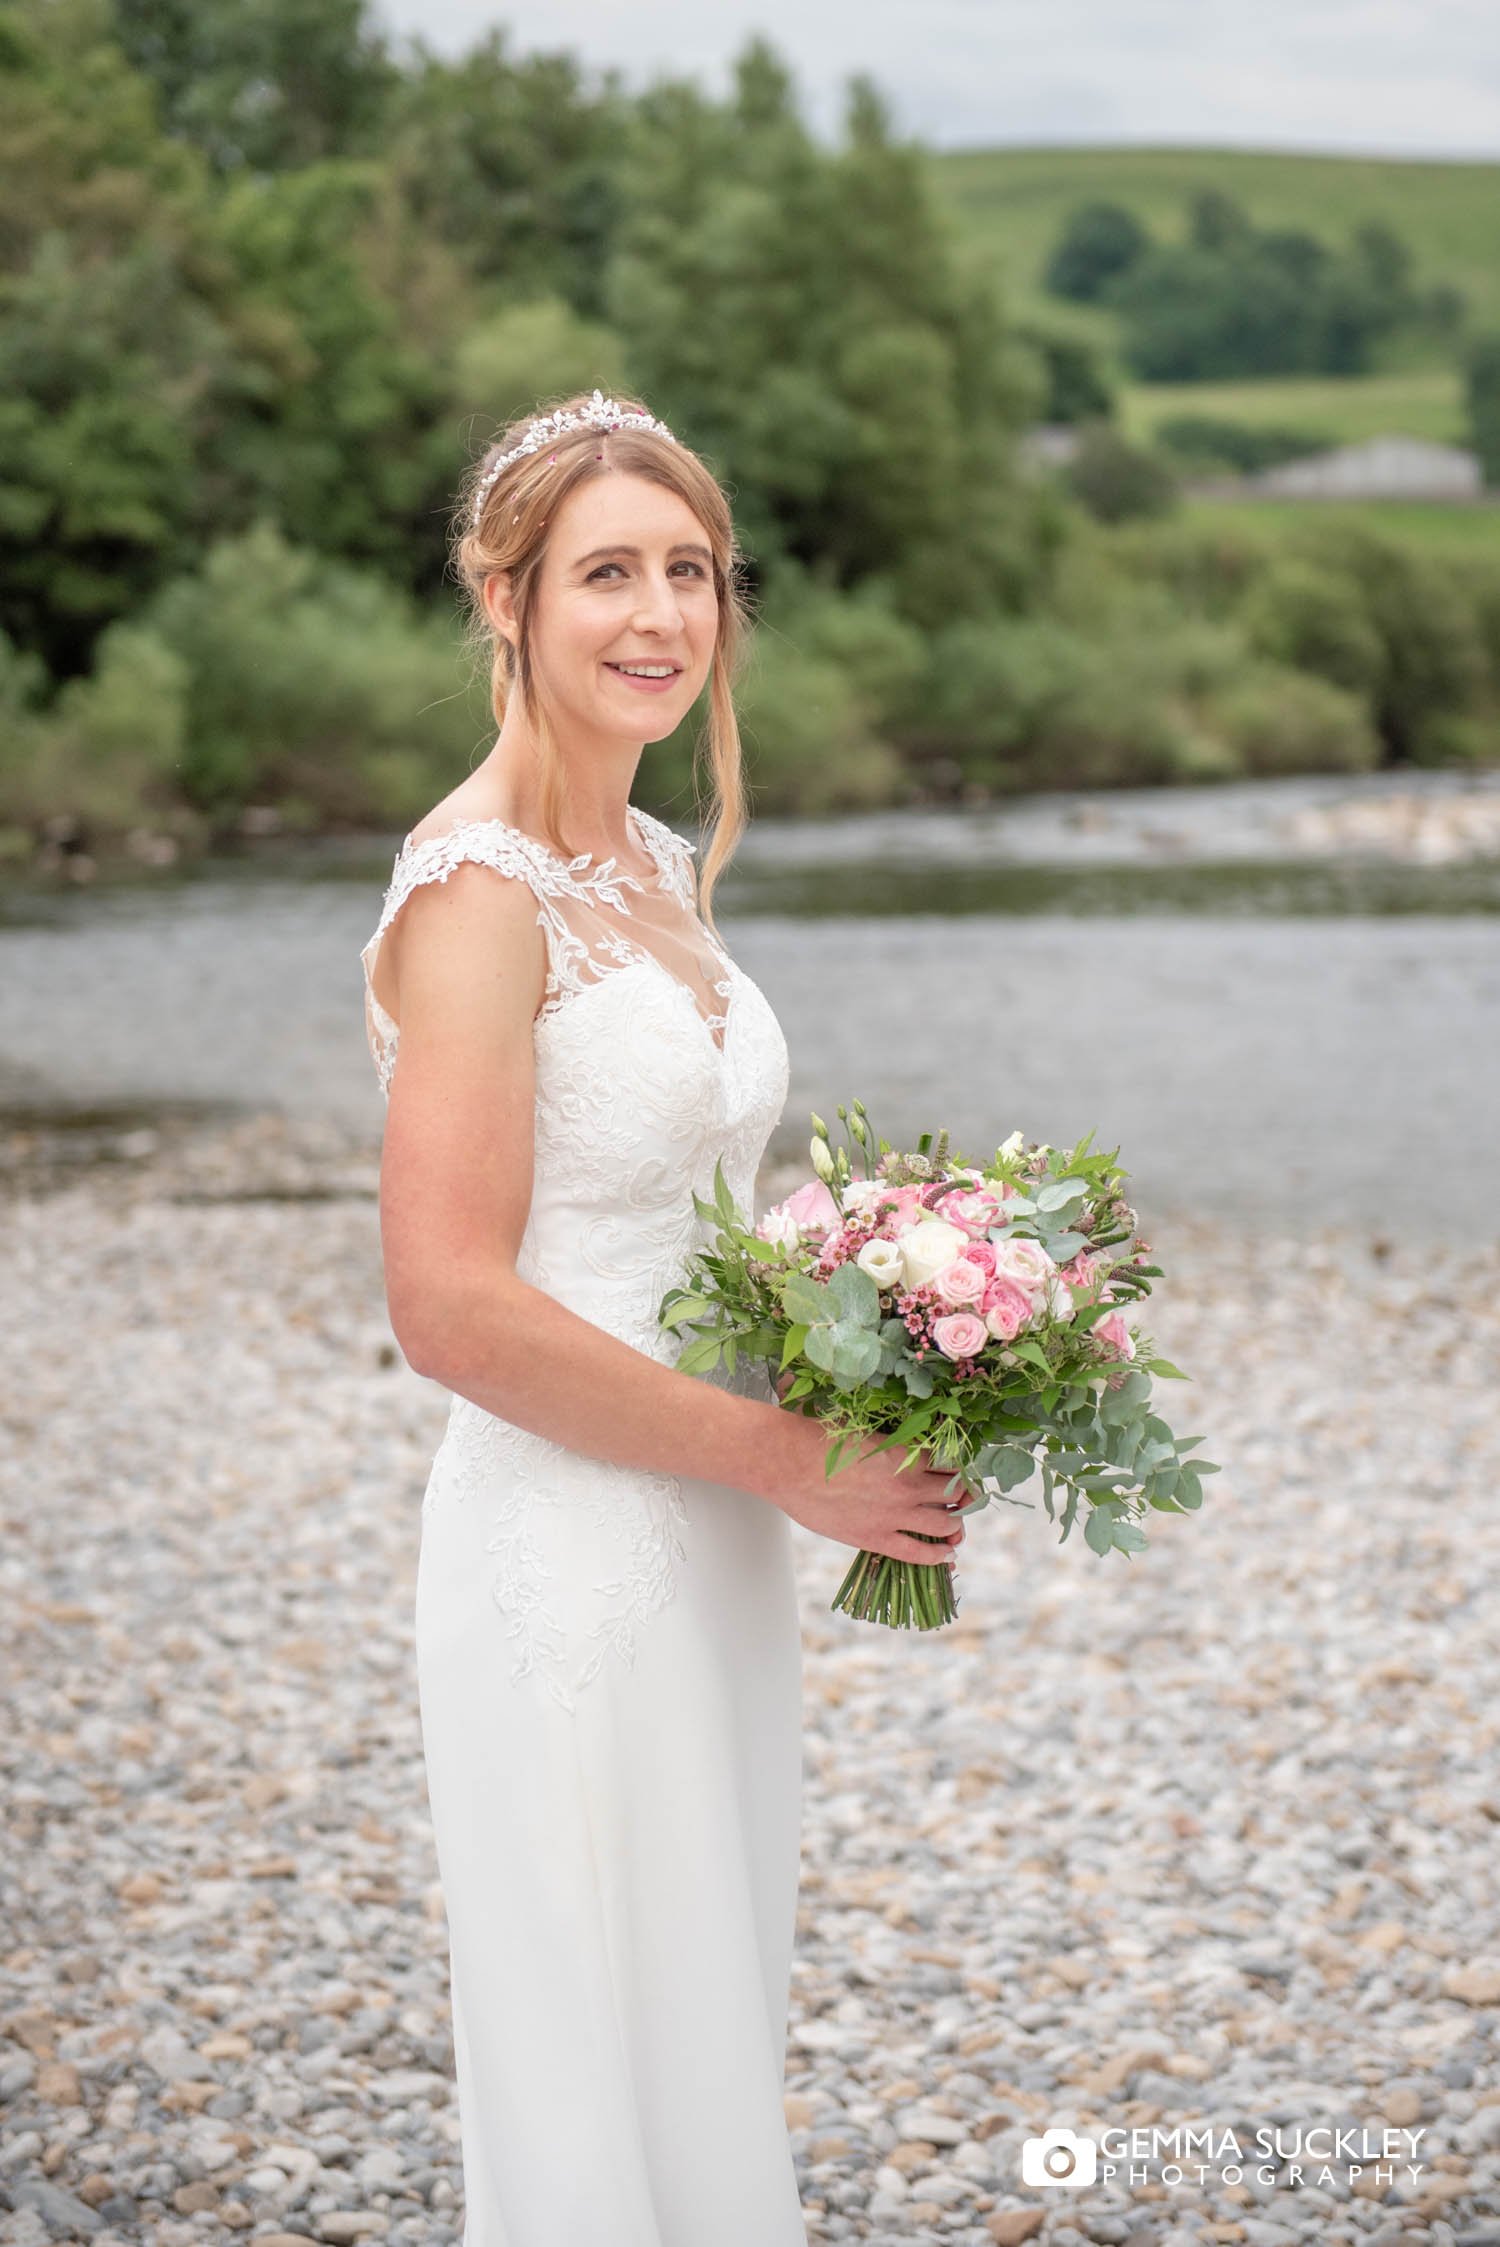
930	1244
882	1260
1060	1303
863	1193
1024	1261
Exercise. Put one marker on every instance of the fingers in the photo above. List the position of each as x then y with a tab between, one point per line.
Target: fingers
918	1549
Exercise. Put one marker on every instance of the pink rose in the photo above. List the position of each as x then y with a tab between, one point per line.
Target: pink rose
1080	1273
906	1203
961	1335
812	1209
1006	1308
1115	1335
974	1208
1024	1261
982	1254
959	1284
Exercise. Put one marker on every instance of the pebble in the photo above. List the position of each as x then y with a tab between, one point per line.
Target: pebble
1204	1838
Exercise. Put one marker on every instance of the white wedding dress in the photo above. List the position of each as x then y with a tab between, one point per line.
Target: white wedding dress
609	1661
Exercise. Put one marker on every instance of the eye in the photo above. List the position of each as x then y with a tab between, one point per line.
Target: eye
686	564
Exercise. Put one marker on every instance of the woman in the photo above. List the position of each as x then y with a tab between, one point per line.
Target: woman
609	1659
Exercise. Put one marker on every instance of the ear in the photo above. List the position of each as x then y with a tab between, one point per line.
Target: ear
498	605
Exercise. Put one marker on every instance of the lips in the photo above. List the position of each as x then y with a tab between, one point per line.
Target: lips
676	668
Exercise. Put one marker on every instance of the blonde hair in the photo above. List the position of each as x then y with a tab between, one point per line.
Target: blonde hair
510	535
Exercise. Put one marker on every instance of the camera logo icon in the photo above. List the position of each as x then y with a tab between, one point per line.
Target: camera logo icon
1059	2157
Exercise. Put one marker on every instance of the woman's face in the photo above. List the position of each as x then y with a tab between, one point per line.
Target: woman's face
627	578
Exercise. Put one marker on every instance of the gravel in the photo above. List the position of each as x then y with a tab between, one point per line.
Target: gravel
1204	1842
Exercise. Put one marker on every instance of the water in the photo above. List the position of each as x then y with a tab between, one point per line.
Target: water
1266	1039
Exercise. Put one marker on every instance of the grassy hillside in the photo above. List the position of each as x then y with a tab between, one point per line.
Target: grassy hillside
1426	523
1427	403
1014	201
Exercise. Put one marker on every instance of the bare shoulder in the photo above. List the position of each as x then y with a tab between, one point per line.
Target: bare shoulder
460	805
467	940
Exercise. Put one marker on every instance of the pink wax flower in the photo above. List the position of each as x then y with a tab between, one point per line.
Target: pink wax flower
961	1335
1006	1307
959	1285
1115	1335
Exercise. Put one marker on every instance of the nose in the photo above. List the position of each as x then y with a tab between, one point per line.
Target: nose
658	604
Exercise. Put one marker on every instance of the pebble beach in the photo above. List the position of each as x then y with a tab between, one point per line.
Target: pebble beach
1196	1855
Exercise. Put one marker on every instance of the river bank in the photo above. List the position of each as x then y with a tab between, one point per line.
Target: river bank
1203	1837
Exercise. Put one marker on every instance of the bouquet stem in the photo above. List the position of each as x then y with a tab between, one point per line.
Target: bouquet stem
905	1594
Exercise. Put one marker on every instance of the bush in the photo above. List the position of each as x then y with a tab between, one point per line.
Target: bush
1117	481
1210	441
1315	619
1433	664
1036	703
809	746
1279	721
312	682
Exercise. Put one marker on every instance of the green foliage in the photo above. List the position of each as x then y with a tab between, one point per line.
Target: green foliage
264	285
1482	400
304	679
1078	386
1119	482
1209	441
808	310
1234	298
511	164
264	88
1315	617
1277	720
1100	242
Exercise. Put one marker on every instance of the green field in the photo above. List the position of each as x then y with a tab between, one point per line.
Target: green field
1428	403
1014	201
1467	530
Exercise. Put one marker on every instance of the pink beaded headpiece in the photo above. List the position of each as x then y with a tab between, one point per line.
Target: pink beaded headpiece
599	413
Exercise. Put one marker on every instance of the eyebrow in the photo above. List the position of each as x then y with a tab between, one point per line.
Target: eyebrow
683	546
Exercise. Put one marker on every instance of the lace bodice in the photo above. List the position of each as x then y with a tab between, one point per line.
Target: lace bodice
643	1084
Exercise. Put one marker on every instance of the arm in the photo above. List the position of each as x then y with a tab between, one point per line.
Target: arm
468	960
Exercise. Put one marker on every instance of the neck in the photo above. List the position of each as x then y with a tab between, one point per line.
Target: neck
596	792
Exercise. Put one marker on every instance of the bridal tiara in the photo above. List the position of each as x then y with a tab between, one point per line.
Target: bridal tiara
599	413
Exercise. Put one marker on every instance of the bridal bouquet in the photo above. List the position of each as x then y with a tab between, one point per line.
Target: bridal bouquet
975	1314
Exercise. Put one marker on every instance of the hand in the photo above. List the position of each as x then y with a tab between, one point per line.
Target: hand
869	1501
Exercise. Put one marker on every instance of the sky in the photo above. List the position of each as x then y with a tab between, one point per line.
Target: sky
1374	77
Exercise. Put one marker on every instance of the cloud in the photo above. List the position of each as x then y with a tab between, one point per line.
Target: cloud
1404	77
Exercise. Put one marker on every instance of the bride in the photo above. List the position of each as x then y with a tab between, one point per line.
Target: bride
608	1650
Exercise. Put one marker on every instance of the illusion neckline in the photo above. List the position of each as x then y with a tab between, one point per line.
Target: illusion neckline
657	853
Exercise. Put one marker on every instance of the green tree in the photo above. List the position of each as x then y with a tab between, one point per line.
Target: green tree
512	165
1482	401
1116	480
810	316
1099	242
262	88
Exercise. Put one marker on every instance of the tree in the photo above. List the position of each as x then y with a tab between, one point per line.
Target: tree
1100	242
1482	399
262	88
809	314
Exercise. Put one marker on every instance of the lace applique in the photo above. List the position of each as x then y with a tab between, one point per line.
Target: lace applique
634	1107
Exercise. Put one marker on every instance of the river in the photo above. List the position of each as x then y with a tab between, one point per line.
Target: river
1273	1037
